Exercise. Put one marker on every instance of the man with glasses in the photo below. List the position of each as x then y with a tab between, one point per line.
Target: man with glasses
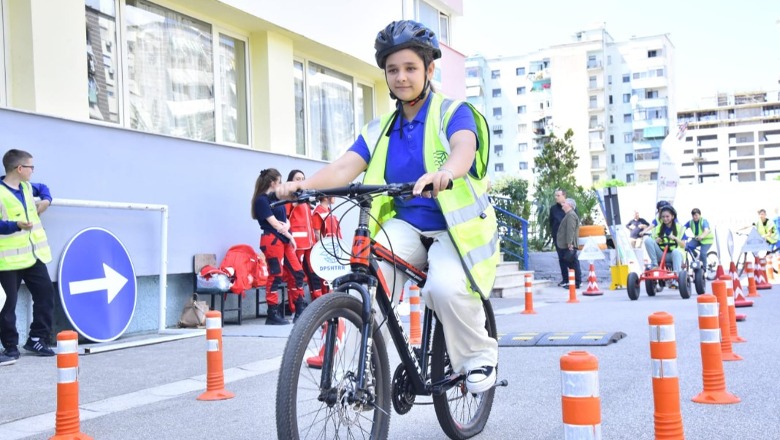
24	252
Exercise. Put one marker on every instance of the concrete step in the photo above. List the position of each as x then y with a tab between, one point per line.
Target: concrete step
507	267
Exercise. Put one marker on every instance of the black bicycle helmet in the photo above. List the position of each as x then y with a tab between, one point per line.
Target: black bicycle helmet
402	35
661	204
669	208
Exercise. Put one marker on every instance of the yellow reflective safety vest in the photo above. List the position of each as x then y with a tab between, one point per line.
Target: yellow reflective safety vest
678	232
471	219
769	228
20	249
697	229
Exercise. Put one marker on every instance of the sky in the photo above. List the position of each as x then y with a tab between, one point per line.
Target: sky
720	46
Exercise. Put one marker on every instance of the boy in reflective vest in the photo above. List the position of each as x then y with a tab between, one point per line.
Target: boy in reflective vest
24	252
766	229
702	235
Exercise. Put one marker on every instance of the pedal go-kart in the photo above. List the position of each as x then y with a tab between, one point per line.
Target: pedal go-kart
655	280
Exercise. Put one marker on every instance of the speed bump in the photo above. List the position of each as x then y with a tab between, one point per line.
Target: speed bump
548	339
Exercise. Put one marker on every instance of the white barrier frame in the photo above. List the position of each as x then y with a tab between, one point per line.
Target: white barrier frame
163	292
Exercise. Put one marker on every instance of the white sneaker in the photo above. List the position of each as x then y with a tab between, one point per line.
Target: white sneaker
481	379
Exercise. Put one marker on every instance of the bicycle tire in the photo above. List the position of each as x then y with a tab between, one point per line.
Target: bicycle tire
299	412
457	401
740	266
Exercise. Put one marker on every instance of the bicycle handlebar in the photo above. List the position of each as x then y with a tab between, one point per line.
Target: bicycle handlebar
353	190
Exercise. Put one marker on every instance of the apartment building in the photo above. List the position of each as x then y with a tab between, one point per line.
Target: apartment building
732	137
182	103
617	97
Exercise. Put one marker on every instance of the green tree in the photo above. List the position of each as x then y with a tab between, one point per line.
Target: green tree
554	168
511	194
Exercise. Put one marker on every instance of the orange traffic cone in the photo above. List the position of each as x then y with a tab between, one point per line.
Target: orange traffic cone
215	376
317	361
68	424
719	271
572	288
666	383
751	277
593	287
721	293
732	311
529	295
739	298
415	330
760	274
711	361
580	401
770	270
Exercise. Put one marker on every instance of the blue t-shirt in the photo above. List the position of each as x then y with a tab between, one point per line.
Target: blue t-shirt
263	210
405	163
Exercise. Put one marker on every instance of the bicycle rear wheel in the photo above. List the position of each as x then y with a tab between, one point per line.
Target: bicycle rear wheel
460	413
304	409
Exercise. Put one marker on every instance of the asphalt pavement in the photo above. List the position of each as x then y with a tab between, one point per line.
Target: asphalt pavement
149	391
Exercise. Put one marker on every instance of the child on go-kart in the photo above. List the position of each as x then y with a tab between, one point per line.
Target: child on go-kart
668	233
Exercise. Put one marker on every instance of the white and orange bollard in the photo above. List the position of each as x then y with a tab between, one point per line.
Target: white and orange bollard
739	294
713	377
751	276
415	329
68	423
572	288
732	311
593	287
760	274
529	295
580	398
215	376
721	293
666	382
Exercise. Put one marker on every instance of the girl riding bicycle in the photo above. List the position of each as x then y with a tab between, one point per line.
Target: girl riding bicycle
431	140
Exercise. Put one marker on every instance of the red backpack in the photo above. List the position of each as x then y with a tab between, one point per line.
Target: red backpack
247	268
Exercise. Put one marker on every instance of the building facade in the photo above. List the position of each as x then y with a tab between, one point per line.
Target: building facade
182	103
732	137
616	96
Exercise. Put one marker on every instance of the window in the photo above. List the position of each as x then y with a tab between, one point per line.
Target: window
497	112
592	82
495	74
499	167
629	158
627	117
498	131
183	78
610	99
331	111
626	98
612	139
523	165
300	106
626	78
520	71
102	61
520	109
609	80
498	149
652	53
365	104
594	122
522	147
654	175
594	161
2	56
629	177
611	158
592	101
522	128
611	119
435	20
521	90
628	137
496	93
651	94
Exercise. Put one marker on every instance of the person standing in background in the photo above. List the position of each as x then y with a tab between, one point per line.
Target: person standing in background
637	226
566	241
24	251
556	216
299	217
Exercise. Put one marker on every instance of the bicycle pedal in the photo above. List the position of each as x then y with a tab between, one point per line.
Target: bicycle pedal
501	383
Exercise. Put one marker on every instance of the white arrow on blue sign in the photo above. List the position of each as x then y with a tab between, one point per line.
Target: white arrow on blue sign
97	285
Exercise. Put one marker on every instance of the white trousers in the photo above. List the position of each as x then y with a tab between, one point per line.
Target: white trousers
445	292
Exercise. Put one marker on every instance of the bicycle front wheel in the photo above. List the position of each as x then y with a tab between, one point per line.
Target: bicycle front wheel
461	414
307	409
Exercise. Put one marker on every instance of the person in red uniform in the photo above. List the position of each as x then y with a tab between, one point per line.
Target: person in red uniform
276	243
299	216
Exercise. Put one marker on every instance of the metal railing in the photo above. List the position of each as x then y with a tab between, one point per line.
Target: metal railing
514	241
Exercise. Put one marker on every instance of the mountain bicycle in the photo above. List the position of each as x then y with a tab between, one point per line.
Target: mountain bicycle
352	393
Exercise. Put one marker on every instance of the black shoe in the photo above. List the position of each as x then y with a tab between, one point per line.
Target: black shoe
300	306
563	284
38	348
275	316
9	357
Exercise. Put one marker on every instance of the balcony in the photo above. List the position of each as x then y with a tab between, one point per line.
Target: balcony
654	82
597	127
652	102
646	165
646	123
595	108
594	65
596	146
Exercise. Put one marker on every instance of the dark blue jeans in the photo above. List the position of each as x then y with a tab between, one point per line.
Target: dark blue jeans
38	282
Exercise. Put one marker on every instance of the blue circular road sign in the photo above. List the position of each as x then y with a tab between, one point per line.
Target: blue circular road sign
97	285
